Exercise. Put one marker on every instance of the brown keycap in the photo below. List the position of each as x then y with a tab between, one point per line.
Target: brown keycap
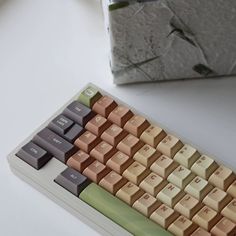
79	161
97	125
200	232
114	134
230	211
103	151
87	141
224	227
130	145
119	162
96	171
136	125
112	182
120	115
104	106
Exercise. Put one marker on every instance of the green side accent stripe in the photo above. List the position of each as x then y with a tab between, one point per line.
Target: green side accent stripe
121	213
118	5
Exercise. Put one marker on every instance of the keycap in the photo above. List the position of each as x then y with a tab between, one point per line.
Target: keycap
230	211
204	167
232	189
120	115
136	125
222	177
120	213
224	227
104	106
198	188
206	218
164	216
73	181
153	135
169	146
34	155
146	155
78	113
146	204
200	232
89	96
182	226
54	144
74	132
186	156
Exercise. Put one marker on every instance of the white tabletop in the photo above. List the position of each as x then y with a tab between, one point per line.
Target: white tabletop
49	49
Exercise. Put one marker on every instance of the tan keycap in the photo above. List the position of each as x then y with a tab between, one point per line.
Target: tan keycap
112	182
206	218
222	177
129	193
96	171
182	227
97	125
170	195
200	232
169	146
104	106
146	155
163	166
119	162
113	135
79	161
188	206
224	227
232	189
181	176
103	152
186	156
230	211
146	204
153	135
87	141
153	184
136	172
130	145
136	125
204	167
120	115
198	188
164	216
217	199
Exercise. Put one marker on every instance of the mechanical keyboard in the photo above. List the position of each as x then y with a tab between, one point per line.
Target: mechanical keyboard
123	174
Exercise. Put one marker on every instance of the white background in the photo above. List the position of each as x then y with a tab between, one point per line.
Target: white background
49	49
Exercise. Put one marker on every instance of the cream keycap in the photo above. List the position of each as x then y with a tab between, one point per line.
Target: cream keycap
200	232
186	156
169	146
182	227
164	216
146	155
188	206
170	195
230	211
206	218
224	227
153	184
163	166
136	172
232	189
217	199
222	177
153	135
198	188
146	204
204	167
181	176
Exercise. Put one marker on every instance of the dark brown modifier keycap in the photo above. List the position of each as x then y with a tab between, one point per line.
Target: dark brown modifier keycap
75	131
54	144
34	155
79	113
73	181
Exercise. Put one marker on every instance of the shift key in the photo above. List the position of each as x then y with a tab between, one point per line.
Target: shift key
54	144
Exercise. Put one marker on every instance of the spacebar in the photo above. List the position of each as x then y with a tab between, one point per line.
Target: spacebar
119	212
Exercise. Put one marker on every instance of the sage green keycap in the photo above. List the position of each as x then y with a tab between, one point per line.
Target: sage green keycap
120	212
89	96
